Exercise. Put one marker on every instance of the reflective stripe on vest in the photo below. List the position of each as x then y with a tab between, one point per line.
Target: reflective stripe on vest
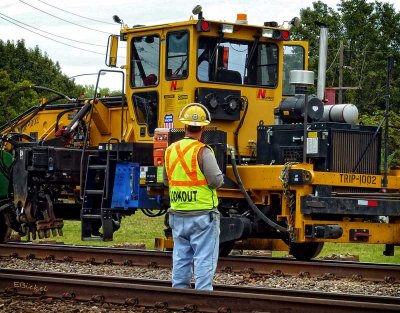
188	186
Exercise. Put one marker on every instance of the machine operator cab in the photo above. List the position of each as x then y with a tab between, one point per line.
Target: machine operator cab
234	69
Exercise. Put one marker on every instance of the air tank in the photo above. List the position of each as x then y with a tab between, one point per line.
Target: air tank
341	113
291	109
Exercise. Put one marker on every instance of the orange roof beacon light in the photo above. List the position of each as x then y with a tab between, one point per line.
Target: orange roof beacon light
241	18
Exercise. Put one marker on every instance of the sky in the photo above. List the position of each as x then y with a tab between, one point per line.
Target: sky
74	33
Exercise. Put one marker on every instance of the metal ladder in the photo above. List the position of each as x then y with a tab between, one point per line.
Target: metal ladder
96	207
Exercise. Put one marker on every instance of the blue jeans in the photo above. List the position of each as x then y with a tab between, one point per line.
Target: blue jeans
196	244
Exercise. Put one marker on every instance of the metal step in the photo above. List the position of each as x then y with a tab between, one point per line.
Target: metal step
94	192
97	167
91	216
92	239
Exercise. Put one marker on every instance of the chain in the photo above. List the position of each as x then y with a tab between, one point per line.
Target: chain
289	196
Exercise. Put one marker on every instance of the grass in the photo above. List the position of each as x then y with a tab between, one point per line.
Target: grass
139	228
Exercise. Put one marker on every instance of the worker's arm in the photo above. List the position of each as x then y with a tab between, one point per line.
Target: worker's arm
165	177
210	169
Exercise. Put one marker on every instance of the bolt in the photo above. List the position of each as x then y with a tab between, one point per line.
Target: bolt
278	273
97	298
131	301
161	305
67	259
227	269
68	295
153	265
30	256
49	258
357	277
389	279
190	307
304	274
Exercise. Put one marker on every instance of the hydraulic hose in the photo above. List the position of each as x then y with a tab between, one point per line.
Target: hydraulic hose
24	88
248	199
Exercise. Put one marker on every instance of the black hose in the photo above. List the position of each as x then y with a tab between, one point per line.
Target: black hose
149	213
236	133
248	199
11	96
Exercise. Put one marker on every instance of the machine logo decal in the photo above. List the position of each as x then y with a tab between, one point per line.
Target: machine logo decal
262	95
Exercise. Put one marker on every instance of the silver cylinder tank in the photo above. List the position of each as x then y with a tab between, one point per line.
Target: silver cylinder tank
342	113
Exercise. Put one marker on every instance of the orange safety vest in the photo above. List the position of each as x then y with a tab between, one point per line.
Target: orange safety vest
188	187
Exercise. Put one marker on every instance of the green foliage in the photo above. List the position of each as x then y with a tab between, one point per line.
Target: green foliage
370	33
15	105
394	139
22	67
89	92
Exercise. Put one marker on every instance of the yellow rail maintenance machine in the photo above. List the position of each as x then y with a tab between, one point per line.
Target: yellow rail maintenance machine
296	170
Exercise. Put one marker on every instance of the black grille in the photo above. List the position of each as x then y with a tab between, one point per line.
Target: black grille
292	154
359	150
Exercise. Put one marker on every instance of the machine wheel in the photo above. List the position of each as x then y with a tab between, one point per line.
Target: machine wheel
225	248
5	231
306	251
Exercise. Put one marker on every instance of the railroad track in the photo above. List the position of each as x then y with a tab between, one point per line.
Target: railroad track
257	265
159	294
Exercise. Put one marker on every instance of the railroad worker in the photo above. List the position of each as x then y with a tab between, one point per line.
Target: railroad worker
193	175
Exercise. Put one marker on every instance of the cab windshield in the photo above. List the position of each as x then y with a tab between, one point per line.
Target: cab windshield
237	62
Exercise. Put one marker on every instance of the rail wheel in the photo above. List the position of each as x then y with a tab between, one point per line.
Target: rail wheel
225	248
306	251
5	231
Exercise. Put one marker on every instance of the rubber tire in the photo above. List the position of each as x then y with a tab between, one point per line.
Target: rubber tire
306	251
226	248
5	231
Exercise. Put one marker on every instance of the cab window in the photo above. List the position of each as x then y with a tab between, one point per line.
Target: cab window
177	55
145	105
224	60
293	59
145	61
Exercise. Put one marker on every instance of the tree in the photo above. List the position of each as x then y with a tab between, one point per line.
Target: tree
11	106
21	67
370	32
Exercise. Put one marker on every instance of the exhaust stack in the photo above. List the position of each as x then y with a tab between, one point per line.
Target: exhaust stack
323	55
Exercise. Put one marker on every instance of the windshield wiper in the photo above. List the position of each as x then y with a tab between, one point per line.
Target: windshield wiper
215	49
251	53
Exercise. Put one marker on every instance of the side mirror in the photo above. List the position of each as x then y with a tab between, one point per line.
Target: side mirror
112	51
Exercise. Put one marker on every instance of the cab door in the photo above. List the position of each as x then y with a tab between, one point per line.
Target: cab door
144	84
294	58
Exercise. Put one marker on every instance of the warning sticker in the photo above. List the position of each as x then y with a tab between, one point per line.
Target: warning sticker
169	103
183	100
312	145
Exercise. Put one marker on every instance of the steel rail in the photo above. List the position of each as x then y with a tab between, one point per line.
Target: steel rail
257	265
156	293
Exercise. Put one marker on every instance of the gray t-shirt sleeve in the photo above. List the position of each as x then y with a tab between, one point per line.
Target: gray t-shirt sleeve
165	177
211	170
